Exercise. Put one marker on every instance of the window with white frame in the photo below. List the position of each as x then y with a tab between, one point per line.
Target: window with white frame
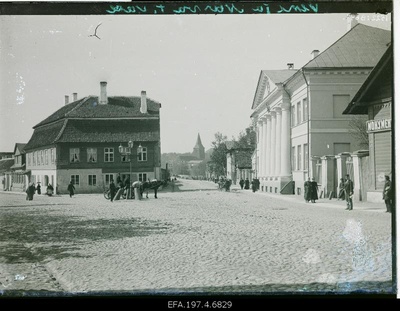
305	109
92	155
305	162
75	179
28	158
108	154
92	180
125	158
293	115
42	157
142	176
74	155
299	112
299	157
53	155
34	158
46	156
142	156
293	158
108	178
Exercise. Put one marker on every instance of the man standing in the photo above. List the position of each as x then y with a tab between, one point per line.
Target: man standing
387	194
348	192
113	190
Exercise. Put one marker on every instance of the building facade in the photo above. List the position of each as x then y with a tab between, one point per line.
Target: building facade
16	178
81	143
299	113
375	100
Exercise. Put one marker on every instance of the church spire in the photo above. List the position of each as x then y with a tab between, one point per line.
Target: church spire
198	150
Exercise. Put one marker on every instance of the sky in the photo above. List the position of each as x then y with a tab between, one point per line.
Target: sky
203	69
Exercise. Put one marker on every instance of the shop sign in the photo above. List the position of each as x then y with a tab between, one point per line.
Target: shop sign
379	125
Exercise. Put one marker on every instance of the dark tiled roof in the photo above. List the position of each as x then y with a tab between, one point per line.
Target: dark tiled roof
110	131
117	107
187	158
382	73
45	135
362	46
20	147
6	164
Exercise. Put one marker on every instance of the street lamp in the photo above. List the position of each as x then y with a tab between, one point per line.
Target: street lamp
127	151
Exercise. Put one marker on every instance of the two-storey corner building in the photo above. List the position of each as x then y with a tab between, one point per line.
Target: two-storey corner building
18	172
300	115
80	142
375	99
6	161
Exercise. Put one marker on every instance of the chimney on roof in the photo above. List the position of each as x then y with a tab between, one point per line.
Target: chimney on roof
66	99
290	65
75	96
352	20
314	54
103	93
143	102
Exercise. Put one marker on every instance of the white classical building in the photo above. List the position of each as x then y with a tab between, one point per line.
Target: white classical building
299	112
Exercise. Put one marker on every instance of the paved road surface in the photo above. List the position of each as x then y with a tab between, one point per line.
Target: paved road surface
193	238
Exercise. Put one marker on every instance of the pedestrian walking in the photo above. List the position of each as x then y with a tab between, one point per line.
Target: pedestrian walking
258	183
348	192
254	185
71	189
38	188
241	183
387	194
247	184
341	189
113	190
30	191
307	190
313	190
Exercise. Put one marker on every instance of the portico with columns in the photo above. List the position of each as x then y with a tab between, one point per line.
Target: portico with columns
273	128
299	112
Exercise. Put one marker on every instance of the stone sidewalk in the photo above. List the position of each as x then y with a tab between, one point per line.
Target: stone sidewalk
323	202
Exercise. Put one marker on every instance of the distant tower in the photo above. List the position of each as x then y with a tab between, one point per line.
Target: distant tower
198	150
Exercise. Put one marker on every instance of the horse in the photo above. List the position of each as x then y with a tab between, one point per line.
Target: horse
145	186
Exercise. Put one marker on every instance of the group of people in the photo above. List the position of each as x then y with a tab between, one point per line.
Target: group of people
31	189
245	184
310	190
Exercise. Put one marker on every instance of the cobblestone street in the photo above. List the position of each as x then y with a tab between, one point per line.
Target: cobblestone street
193	238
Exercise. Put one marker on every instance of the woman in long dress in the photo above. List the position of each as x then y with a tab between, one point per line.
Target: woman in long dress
314	190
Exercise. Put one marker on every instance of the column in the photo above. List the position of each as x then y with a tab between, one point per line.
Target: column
268	149
285	140
278	141
327	174
265	138
260	147
358	177
273	144
341	167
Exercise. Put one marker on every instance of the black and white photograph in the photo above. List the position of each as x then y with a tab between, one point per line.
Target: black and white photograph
214	149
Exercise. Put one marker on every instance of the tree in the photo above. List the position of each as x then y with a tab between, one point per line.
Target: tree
358	130
218	156
247	138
